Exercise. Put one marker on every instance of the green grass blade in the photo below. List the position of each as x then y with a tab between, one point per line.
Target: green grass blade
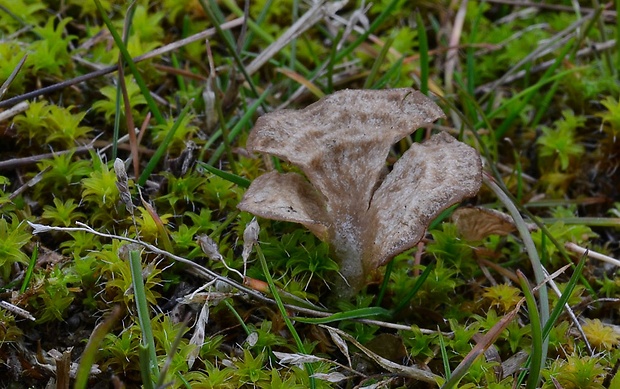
387	10
332	61
378	62
161	150
536	362
7	83
180	79
287	320
225	133
498	182
392	74
264	35
259	21
173	348
293	44
545	104
145	366
30	269
236	130
253	26
444	357
132	66
563	300
480	347
527	95
501	130
384	283
238	317
214	13
235	179
470	62
532	254
597	20
348	315
148	341
617	40
87	359
424	58
414	290
118	114
545	79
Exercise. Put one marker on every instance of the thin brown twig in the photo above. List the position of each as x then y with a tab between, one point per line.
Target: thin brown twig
145	124
162	50
598	47
14	163
180	72
550	7
558	40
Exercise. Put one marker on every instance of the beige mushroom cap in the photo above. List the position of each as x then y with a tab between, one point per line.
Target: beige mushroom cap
342	141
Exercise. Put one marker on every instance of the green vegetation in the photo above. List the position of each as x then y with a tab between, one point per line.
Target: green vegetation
109	272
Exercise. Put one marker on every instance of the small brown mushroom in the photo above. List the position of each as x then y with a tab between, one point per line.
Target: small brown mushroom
347	198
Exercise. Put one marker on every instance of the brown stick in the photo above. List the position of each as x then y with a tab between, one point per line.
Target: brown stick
164	49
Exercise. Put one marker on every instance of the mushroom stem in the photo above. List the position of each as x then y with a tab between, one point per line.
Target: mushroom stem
348	252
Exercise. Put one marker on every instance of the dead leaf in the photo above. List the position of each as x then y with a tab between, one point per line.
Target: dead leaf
476	223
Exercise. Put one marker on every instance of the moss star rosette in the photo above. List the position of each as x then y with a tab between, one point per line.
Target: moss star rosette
347	197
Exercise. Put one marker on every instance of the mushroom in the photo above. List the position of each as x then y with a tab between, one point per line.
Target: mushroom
347	197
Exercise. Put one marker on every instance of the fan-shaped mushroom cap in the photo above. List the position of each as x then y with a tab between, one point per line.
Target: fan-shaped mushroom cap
342	141
427	179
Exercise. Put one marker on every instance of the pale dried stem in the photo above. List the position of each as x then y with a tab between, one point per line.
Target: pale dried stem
591	254
16	310
414	372
318	12
593	49
558	40
16	110
208	274
552	7
452	54
567	308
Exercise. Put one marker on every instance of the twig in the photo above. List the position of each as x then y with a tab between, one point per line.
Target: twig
17	310
591	254
608	14
7	83
29	184
16	110
568	309
310	18
597	47
203	272
164	49
559	40
10	164
451	55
